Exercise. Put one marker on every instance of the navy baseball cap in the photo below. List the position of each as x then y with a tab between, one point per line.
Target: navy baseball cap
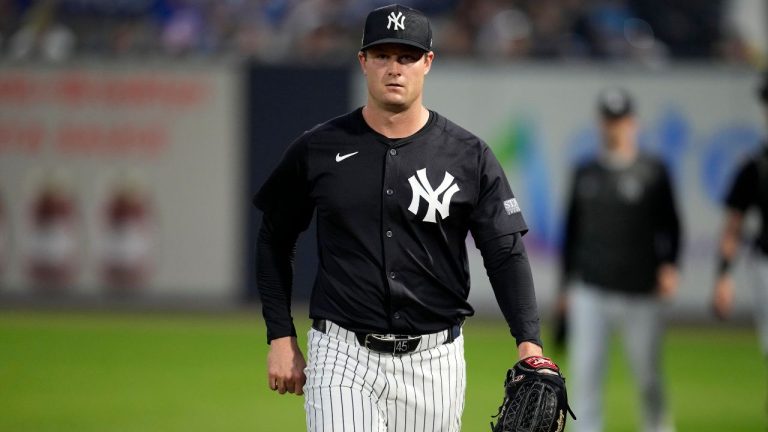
615	103
397	24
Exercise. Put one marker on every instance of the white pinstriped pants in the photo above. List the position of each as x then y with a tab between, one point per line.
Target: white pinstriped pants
351	388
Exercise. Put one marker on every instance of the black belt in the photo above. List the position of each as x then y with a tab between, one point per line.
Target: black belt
391	344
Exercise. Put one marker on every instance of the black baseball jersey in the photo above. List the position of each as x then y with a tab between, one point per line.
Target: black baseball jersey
392	223
750	190
621	224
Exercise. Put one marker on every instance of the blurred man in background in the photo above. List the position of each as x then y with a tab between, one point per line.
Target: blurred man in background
749	191
619	261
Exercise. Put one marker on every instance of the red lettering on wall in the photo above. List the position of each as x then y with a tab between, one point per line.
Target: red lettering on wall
114	140
21	138
16	89
153	91
81	88
72	89
78	88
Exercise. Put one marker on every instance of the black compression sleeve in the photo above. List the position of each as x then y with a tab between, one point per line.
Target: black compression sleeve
275	250
509	271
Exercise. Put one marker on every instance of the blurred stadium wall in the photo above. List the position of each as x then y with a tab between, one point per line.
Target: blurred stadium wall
120	179
125	181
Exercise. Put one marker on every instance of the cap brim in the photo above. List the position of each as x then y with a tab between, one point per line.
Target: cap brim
395	41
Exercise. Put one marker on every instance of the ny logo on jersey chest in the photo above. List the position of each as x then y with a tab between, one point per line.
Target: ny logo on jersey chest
422	189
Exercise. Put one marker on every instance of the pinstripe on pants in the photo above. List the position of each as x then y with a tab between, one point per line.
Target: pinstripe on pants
350	388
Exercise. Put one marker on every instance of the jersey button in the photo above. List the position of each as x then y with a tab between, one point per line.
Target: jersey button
389	233
393	152
396	315
392	275
390	192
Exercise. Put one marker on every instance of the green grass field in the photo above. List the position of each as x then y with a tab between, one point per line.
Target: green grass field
102	372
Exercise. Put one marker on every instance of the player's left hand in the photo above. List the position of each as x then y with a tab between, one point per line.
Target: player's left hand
529	349
667	280
534	398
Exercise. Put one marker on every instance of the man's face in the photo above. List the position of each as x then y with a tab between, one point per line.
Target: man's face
617	130
395	74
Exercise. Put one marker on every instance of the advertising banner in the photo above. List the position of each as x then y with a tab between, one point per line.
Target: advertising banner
120	179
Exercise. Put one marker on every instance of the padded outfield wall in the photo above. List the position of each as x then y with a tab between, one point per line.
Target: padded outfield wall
199	139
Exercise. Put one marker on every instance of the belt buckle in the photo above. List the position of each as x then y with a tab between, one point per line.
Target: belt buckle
400	344
380	337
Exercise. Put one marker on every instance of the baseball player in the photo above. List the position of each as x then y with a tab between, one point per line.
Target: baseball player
749	191
619	260
396	189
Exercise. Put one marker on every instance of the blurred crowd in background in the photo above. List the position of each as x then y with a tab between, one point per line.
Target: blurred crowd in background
650	32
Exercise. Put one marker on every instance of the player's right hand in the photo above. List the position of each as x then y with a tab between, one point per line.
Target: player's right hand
285	366
722	297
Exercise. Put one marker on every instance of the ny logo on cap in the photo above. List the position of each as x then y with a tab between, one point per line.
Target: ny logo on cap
398	20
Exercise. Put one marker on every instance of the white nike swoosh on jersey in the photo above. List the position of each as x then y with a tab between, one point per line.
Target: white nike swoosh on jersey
340	158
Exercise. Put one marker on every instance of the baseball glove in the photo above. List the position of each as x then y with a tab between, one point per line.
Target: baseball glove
534	398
